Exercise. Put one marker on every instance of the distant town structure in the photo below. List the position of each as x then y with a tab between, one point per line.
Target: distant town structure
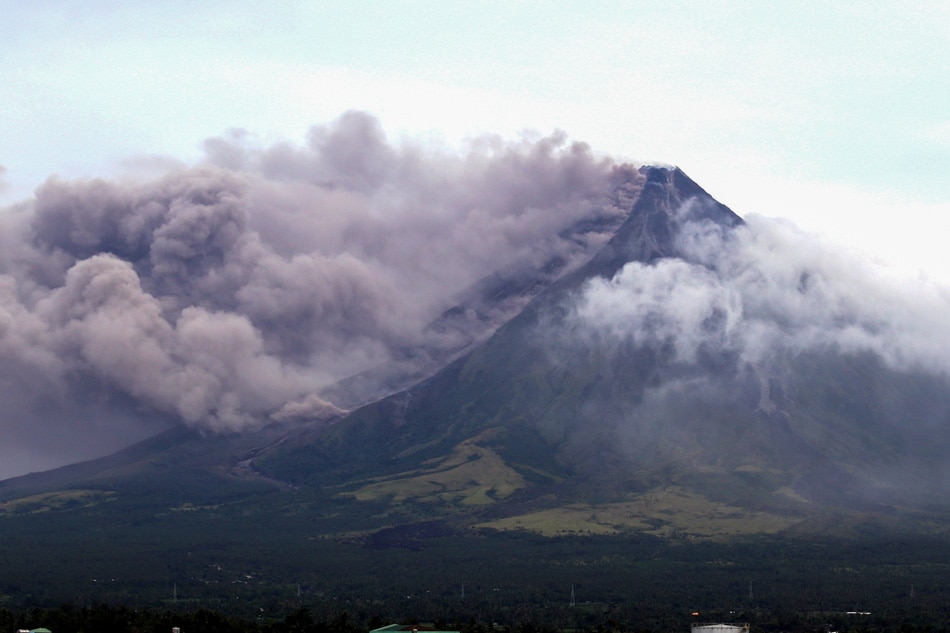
719	628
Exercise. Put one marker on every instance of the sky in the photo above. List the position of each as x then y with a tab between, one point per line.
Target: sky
277	180
834	115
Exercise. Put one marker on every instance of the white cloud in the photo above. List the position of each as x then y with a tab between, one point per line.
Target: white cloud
769	289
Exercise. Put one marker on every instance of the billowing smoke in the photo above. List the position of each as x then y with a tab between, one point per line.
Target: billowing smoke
233	292
766	289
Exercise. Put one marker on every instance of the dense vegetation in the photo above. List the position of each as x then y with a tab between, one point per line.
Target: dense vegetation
263	568
584	618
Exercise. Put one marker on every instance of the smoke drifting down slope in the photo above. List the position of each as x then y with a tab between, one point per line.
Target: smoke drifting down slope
230	293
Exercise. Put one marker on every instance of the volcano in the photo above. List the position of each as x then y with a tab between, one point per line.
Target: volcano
549	422
688	382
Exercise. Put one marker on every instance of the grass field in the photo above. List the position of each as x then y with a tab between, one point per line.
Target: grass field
667	512
471	475
54	501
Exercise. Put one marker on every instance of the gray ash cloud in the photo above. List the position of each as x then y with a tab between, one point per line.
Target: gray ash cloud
230	293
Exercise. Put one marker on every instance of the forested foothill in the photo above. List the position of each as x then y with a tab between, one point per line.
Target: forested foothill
582	618
518	582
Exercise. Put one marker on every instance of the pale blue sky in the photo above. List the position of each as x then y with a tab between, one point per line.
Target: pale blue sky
835	115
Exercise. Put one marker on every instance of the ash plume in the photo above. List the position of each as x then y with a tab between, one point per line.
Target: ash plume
231	293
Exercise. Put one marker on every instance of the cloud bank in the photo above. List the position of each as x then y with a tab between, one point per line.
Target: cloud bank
764	290
761	346
230	293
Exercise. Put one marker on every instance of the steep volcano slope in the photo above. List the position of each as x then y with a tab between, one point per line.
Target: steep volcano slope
493	300
540	408
557	405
